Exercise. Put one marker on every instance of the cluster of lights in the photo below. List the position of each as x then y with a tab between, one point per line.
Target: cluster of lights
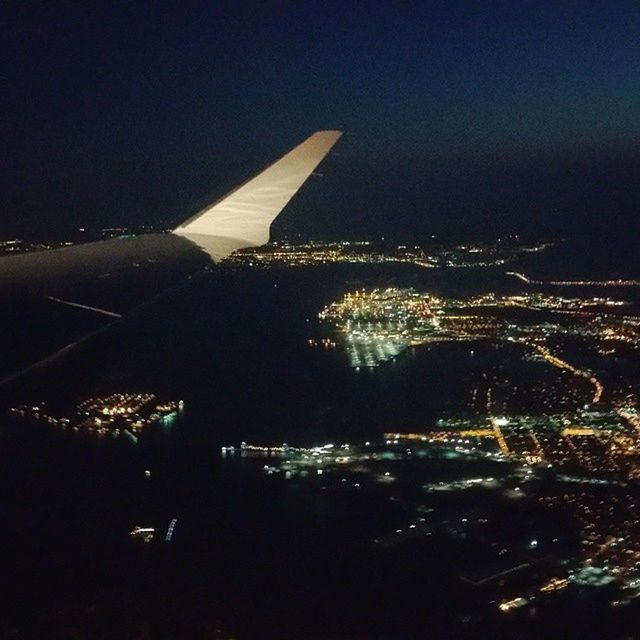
313	253
596	441
379	324
515	603
115	414
576	283
609	525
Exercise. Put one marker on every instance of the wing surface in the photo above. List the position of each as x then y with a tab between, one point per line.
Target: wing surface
243	217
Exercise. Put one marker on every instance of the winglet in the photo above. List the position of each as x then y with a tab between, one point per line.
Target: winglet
243	217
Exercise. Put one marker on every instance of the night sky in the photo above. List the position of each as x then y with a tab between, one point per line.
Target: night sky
462	117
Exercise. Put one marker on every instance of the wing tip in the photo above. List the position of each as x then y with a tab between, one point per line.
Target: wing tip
301	161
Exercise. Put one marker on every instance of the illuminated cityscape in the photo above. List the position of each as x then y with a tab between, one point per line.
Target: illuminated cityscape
119	413
565	469
377	325
576	452
320	321
475	255
541	431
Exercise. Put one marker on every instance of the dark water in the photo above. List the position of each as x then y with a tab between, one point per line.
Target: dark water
252	557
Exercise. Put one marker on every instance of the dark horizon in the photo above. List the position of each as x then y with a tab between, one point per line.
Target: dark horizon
207	435
505	116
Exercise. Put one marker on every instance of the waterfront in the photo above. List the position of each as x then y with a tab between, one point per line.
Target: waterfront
247	372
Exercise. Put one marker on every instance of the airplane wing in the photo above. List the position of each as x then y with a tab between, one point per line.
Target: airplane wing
102	280
243	217
238	220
